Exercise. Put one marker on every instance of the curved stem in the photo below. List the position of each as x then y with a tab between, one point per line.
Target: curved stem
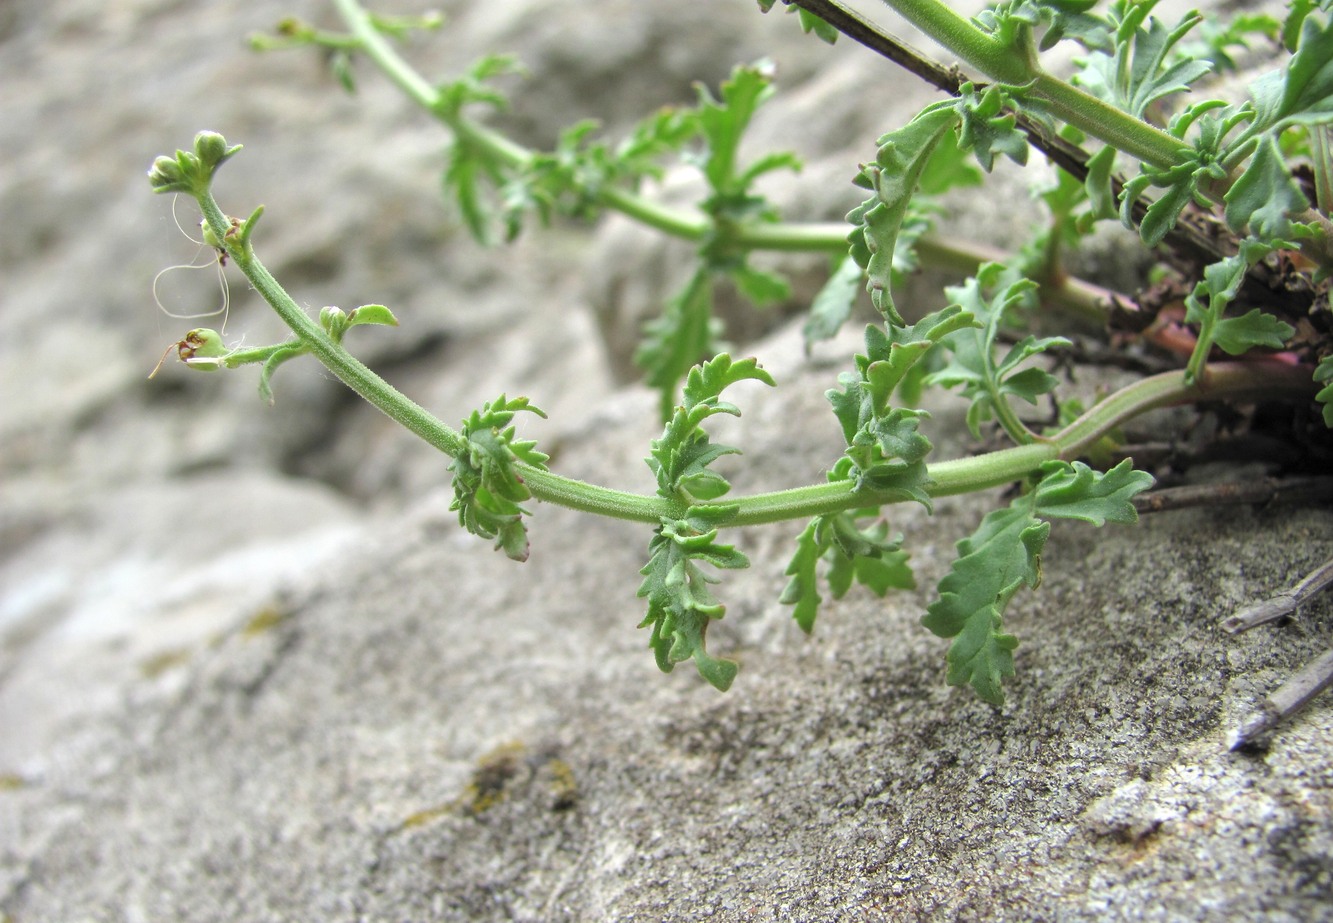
1223	380
354	373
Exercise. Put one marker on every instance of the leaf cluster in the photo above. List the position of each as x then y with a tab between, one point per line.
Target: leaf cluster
986	380
487	488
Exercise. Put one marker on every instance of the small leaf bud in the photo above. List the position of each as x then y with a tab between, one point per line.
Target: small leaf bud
334	321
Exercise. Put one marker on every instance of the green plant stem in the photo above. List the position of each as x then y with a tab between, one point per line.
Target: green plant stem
1269	379
1235	380
830	237
351	371
1068	103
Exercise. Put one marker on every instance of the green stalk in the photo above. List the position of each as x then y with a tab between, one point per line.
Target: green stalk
1224	380
351	371
1068	103
1268	379
688	225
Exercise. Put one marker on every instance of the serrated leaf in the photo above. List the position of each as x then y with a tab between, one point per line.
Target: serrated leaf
867	556
1075	491
1142	69
680	605
723	122
973	367
802	590
1002	556
679	459
487	489
812	23
987	126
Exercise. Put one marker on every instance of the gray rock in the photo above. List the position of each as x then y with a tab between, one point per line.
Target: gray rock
251	670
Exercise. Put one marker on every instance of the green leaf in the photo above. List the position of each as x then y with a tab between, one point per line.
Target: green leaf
1142	69
1004	555
466	168
949	167
1009	19
809	22
1324	373
983	379
680	605
893	178
487	489
680	458
1075	491
1207	304
1265	194
1101	197
685	333
723	122
271	365
802	590
1309	83
1237	335
986	126
473	87
867	556
993	563
372	314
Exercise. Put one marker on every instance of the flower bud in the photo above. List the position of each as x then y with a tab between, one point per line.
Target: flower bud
166	175
212	148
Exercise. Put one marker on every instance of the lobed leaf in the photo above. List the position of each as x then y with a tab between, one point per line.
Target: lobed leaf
1004	555
987	126
893	178
867	556
680	605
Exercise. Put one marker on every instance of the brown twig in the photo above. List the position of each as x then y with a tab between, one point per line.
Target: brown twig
1283	604
1291	697
1230	493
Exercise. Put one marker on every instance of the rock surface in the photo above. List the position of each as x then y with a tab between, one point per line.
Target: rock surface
251	670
